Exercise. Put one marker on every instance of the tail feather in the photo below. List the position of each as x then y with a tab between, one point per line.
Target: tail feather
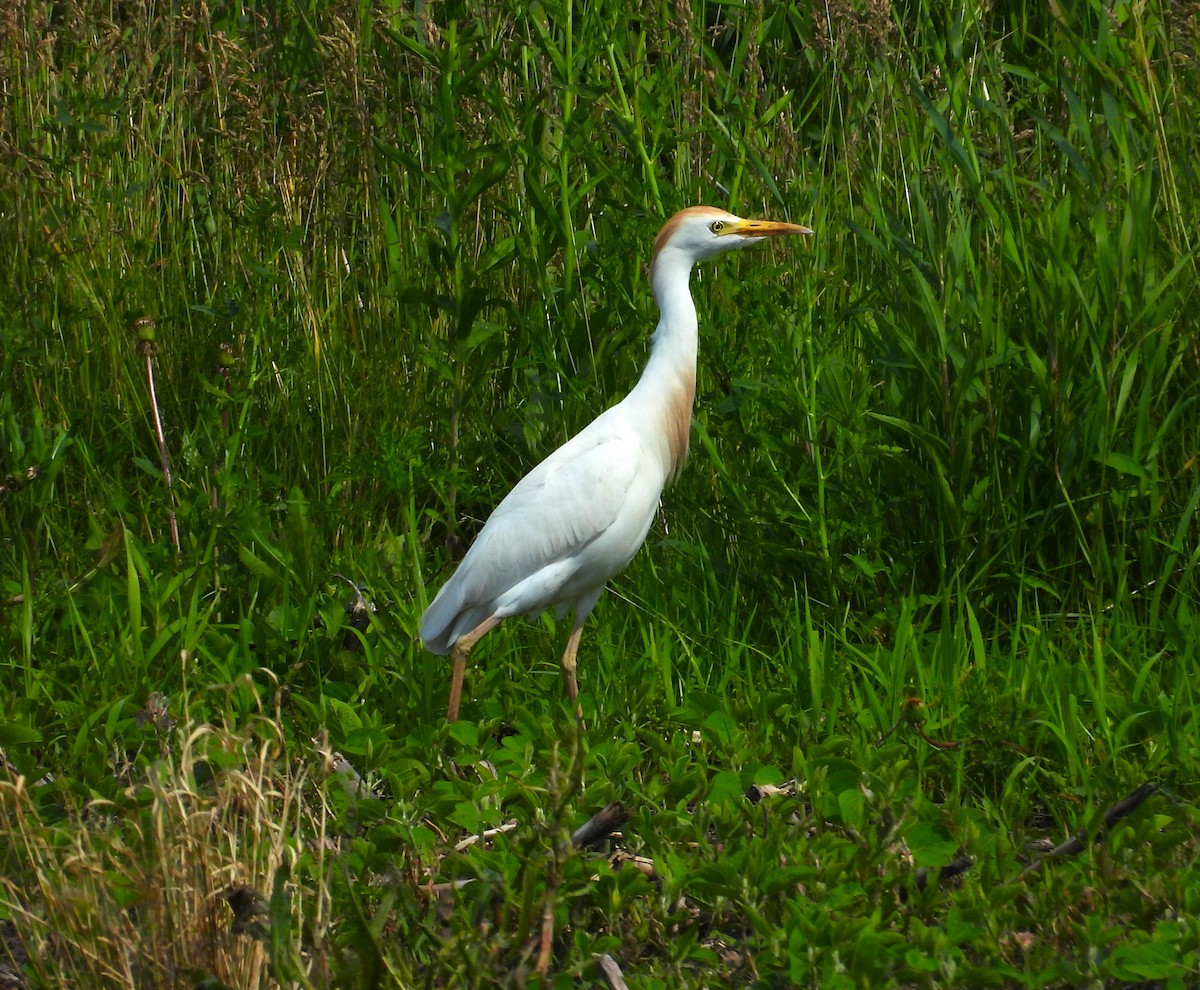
438	622
449	617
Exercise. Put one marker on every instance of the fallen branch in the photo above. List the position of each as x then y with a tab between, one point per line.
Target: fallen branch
612	973
1078	842
600	826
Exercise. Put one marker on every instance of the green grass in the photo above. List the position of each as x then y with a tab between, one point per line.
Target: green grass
931	569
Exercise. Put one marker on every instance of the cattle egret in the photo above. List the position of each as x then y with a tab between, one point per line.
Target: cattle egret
579	517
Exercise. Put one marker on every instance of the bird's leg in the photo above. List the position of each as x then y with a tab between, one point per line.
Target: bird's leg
568	664
458	654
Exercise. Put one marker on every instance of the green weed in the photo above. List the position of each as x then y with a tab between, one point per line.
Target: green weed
924	595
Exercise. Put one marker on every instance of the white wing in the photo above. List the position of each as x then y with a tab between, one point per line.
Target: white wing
559	535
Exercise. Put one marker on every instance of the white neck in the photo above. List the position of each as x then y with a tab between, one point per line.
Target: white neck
669	277
668	383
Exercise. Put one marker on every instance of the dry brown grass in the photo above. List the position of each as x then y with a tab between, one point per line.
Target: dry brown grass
134	892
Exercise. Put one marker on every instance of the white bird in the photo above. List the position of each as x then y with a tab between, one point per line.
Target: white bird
578	518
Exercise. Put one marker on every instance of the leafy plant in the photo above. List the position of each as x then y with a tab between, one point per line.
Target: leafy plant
921	605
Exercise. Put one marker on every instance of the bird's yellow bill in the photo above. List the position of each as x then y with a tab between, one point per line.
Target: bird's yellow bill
764	228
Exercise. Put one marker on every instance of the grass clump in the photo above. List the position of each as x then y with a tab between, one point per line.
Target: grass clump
158	884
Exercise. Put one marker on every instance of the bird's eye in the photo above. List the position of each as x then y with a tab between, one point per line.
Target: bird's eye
717	226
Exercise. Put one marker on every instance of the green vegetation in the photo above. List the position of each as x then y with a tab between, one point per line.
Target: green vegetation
931	573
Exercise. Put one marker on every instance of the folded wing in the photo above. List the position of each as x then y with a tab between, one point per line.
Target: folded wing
558	536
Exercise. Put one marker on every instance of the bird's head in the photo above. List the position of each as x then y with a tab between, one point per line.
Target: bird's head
703	231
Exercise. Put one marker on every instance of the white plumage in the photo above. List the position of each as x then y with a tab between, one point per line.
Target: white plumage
579	517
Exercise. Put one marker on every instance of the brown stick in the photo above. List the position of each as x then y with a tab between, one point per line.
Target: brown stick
547	940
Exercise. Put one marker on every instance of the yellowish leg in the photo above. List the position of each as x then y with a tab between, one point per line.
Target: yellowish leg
458	656
568	667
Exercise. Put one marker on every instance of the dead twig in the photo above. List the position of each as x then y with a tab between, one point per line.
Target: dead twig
487	833
547	940
144	327
910	714
448	887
